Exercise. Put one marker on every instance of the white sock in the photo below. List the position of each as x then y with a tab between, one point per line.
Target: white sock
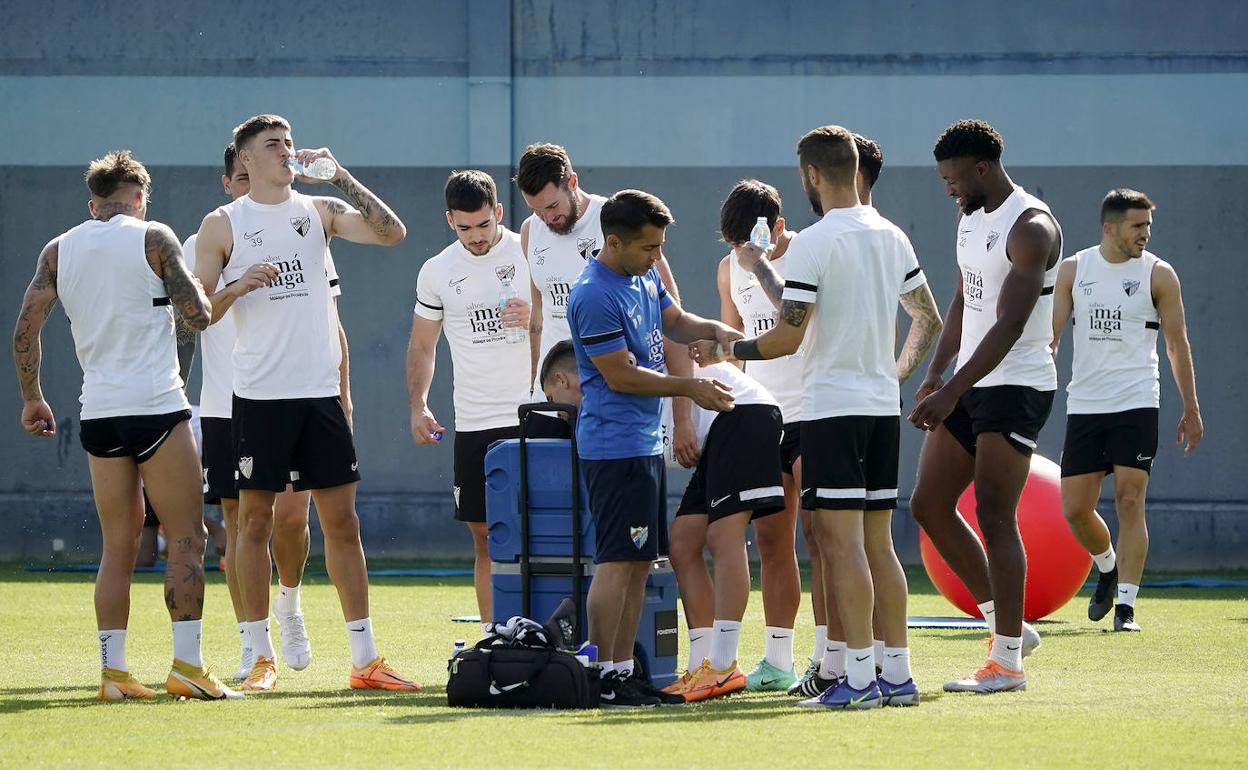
896	665
699	646
860	667
778	646
989	610
259	640
487	628
360	637
821	643
113	649
606	667
724	642
877	648
1127	593
1008	651
186	641
833	664
624	668
286	603
244	643
1105	561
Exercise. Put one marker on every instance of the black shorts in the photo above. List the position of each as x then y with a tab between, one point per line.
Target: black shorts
137	436
790	446
628	500
469	464
1015	411
850	463
1095	443
738	470
304	442
217	457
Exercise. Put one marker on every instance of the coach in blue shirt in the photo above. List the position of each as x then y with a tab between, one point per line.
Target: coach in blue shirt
618	312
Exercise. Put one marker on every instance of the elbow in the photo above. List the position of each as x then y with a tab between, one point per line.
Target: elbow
396	234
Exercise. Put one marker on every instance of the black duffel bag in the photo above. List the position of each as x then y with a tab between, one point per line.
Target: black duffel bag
494	675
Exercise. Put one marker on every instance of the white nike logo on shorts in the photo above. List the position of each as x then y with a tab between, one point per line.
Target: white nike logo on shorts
720	500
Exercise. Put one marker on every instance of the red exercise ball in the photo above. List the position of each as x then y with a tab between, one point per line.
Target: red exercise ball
1056	564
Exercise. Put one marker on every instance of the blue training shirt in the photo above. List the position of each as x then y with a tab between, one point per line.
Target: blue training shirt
607	312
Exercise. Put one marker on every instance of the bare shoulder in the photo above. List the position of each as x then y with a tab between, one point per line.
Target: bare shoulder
1035	224
1164	277
160	236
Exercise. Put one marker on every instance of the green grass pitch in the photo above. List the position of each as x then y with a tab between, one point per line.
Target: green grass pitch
1174	696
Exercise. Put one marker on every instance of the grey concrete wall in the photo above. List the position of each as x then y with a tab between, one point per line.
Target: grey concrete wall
680	99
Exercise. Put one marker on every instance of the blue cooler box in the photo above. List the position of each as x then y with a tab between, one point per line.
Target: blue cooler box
550	499
658	636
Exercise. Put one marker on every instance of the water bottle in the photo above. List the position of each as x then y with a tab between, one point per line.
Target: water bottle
460	646
321	168
512	334
760	236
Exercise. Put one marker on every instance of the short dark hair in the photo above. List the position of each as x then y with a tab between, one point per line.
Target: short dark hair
247	130
115	169
560	358
628	211
830	149
540	165
470	191
231	158
748	200
1118	200
870	159
973	138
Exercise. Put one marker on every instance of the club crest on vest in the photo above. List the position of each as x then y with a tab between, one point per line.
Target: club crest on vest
301	224
505	272
585	246
1130	287
992	239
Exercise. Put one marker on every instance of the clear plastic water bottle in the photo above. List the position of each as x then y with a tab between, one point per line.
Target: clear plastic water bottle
513	334
321	168
760	236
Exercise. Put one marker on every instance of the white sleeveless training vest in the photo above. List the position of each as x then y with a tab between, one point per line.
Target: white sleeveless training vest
782	377
1115	365
287	344
555	261
984	266
121	320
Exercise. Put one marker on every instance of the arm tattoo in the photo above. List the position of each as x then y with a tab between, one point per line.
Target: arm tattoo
793	312
769	280
189	301
36	305
746	350
378	215
925	327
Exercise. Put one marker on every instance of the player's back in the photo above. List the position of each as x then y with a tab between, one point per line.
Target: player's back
855	263
121	320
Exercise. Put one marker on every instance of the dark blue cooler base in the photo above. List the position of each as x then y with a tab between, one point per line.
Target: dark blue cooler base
658	636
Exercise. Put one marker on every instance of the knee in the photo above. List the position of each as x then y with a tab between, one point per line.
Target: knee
685	552
774	543
1129	501
343	528
255	525
922	510
289	521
